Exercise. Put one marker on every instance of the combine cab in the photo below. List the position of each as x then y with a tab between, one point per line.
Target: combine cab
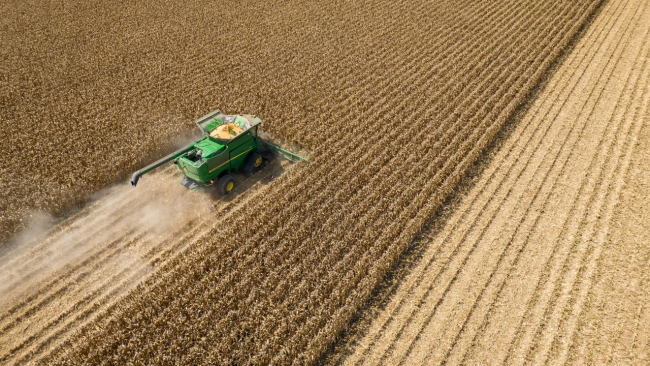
230	144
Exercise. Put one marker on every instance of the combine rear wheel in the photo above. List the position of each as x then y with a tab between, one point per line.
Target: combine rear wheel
226	184
254	162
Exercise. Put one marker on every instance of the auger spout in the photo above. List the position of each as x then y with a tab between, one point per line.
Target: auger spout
136	176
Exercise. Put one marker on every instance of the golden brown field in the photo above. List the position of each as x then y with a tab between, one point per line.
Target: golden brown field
544	261
394	100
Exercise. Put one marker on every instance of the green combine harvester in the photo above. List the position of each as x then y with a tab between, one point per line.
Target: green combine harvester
230	144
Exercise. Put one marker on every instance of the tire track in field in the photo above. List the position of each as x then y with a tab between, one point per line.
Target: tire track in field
601	167
614	322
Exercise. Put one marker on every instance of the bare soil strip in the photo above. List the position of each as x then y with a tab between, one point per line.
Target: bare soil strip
507	279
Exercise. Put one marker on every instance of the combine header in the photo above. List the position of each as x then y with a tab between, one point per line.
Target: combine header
230	144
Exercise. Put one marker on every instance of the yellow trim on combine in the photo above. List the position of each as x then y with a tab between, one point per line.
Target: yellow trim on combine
231	159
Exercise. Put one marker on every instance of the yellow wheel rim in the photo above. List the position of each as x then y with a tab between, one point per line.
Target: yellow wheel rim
258	162
229	186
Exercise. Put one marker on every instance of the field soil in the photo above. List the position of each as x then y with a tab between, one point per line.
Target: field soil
545	258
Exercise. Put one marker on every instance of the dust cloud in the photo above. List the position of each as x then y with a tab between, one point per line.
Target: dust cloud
117	233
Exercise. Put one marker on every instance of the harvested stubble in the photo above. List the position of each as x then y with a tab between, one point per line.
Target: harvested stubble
394	108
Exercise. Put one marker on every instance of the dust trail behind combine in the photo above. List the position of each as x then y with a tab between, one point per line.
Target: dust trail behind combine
63	276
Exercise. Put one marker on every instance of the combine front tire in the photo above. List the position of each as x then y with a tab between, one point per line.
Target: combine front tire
226	184
253	163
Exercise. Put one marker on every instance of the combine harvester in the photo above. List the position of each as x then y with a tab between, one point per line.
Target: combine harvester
230	144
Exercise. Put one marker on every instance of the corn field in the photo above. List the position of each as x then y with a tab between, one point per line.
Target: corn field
394	100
